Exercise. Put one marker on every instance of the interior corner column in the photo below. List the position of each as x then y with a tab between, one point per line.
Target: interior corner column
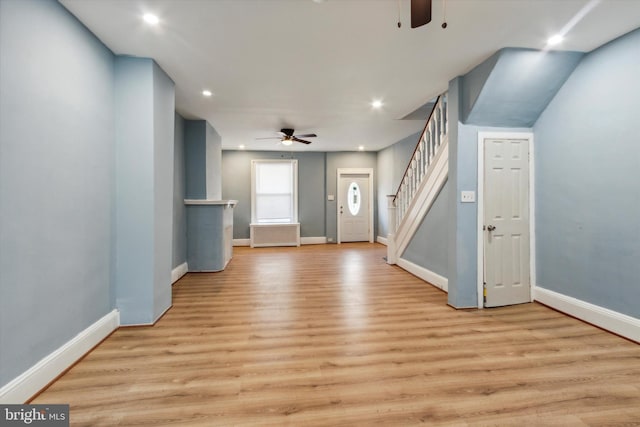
142	234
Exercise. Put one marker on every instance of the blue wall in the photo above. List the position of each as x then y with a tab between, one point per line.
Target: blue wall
336	160
214	163
236	185
86	183
512	88
56	181
144	189
203	157
462	269
588	181
163	134
179	251
134	178
195	149
462	218
428	247
390	165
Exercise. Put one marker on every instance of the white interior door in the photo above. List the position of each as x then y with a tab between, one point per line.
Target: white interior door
354	208
506	222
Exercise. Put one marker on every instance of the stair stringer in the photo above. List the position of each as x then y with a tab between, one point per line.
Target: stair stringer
425	196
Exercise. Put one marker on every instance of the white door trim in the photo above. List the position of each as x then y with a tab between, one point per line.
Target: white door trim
532	219
354	171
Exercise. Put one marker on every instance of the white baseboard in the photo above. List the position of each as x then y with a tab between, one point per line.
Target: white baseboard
30	382
178	272
618	323
427	275
382	240
241	242
313	240
303	241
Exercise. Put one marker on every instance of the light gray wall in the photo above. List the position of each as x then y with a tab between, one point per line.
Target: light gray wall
346	159
588	181
56	180
429	245
236	184
179	247
391	164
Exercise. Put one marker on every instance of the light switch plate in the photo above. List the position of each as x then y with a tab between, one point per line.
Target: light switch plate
467	196
330	198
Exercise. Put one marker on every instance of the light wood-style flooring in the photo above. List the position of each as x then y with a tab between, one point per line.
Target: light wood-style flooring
332	335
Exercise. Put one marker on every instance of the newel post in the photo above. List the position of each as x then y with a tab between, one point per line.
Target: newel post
391	235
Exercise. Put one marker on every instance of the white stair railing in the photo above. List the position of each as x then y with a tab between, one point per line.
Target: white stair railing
432	136
431	139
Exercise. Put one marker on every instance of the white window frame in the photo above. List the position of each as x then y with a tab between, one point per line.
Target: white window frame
294	163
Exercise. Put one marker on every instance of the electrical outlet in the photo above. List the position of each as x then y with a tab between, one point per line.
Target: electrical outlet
467	196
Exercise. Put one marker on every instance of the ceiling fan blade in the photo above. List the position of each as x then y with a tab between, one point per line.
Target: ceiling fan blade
306	135
270	137
420	13
300	140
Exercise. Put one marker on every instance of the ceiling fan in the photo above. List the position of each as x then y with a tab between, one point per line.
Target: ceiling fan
287	137
420	13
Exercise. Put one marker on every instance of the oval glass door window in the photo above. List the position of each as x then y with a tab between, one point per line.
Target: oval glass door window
354	198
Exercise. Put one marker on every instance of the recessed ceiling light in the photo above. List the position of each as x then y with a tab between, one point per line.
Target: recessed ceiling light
557	39
206	93
376	104
150	19
361	148
241	146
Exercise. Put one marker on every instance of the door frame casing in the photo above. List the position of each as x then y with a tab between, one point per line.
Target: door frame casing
355	171
480	213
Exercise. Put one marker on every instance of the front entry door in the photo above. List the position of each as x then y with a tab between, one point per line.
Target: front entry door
506	222
354	208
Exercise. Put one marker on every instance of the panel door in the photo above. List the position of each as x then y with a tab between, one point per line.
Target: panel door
354	208
506	222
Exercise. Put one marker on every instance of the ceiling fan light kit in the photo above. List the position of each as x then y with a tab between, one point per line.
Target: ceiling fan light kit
287	137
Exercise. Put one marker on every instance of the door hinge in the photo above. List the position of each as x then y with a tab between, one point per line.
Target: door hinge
484	293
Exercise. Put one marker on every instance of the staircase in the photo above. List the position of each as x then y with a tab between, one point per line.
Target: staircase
423	179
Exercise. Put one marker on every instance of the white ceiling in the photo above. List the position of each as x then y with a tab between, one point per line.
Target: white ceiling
316	65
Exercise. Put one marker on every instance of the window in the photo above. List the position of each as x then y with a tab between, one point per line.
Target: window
354	198
274	191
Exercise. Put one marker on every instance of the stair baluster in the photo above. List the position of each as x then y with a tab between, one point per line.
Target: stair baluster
433	135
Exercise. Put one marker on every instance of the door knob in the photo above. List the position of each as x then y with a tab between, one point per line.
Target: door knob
491	227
